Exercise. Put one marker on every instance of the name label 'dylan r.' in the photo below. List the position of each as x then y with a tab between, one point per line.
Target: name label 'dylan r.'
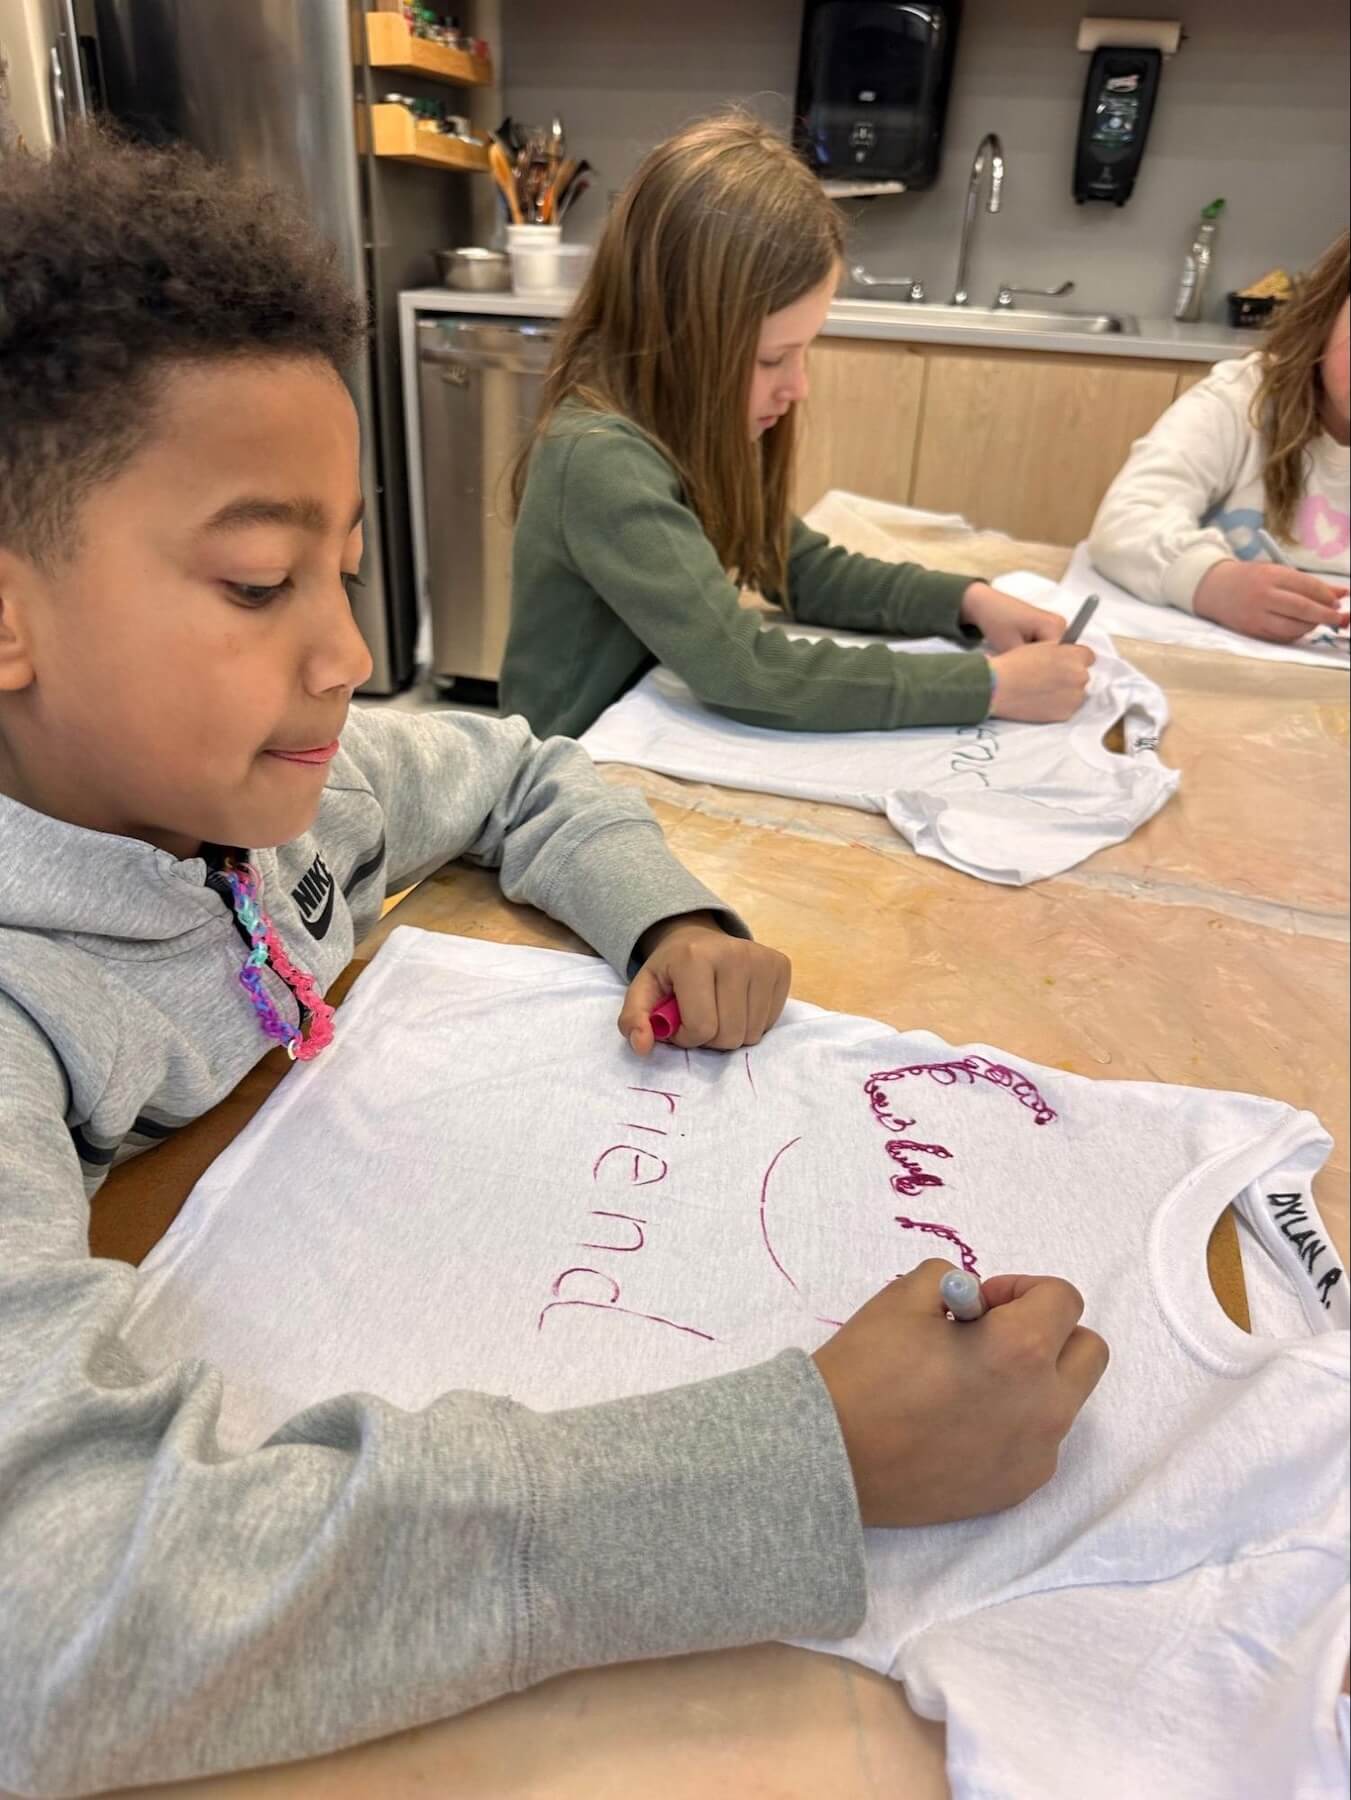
1295	1226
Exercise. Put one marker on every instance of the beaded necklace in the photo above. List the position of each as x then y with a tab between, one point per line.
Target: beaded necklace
246	886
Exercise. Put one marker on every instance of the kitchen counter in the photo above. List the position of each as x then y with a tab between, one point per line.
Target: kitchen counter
1162	339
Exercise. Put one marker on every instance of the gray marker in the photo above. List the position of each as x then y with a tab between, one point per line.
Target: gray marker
962	1296
1273	549
1076	625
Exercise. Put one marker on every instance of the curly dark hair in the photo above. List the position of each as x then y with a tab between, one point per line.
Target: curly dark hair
116	260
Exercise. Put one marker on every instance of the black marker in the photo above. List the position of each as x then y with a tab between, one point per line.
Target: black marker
1080	619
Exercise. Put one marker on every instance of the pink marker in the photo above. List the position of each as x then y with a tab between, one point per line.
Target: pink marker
665	1019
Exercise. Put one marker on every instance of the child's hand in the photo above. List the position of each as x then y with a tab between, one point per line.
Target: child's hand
1267	600
729	991
1004	622
1040	684
944	1421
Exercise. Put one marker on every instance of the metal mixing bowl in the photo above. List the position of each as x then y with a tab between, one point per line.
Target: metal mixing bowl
475	271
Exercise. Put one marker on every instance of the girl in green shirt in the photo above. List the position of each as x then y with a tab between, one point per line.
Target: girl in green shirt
657	481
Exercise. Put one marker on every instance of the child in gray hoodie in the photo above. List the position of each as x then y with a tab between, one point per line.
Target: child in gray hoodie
195	834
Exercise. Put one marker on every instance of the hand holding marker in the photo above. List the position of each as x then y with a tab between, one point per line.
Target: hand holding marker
962	1295
1321	634
665	1019
1074	630
1044	689
944	1421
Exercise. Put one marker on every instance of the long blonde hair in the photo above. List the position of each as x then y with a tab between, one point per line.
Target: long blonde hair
1286	407
720	226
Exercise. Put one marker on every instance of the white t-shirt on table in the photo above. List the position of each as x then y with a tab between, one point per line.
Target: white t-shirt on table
1006	802
480	1186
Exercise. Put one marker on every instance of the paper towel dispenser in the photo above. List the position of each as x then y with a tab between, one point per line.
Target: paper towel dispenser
872	91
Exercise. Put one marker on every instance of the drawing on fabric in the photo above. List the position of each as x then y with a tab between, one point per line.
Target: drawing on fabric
640	1237
974	758
648	1168
913	1177
764	1204
611	1304
966	1255
966	1070
635	1161
619	1166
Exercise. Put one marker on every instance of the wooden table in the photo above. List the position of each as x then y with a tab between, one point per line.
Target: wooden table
1211	949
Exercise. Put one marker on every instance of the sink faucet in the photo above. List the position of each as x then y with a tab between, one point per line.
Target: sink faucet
989	153
911	289
1003	300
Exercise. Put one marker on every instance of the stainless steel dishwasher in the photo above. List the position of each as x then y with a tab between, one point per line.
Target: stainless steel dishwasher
478	389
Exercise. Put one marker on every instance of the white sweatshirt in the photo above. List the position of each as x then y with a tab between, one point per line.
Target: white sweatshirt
1190	496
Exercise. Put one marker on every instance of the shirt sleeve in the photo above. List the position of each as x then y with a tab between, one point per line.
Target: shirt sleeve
828	585
458	784
631	536
170	1610
1220	1681
1148	536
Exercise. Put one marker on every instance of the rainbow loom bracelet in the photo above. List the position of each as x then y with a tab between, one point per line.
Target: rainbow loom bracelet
246	885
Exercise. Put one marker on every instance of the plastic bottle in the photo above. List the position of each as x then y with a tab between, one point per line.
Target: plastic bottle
1196	264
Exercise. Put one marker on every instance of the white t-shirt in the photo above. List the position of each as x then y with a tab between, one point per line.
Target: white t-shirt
1006	802
479	1186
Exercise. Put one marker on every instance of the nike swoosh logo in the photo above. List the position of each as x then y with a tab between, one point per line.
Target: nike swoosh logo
319	927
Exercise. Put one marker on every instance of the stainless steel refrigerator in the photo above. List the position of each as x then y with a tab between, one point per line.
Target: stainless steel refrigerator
48	81
274	86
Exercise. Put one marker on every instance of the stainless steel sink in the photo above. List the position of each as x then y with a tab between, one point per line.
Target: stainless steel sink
990	318
1004	317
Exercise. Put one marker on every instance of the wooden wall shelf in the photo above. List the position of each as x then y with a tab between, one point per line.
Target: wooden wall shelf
395	134
390	44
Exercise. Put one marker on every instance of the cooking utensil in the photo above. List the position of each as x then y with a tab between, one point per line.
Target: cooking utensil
573	194
571	189
475	271
501	170
534	175
562	175
511	136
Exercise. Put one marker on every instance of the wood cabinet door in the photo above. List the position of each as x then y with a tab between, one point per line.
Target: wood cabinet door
1189	375
1028	443
858	427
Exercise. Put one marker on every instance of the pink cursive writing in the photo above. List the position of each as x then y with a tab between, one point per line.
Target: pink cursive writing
967	1069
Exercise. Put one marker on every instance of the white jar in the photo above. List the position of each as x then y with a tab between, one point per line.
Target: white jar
535	252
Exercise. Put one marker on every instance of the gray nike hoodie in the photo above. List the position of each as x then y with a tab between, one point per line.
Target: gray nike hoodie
167	1610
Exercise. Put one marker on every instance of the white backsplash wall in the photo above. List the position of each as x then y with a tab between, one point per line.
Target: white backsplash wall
1254	107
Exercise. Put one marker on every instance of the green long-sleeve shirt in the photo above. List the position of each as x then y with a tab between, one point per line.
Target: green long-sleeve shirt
612	572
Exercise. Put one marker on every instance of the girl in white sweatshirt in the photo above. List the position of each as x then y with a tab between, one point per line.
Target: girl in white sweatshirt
1261	443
